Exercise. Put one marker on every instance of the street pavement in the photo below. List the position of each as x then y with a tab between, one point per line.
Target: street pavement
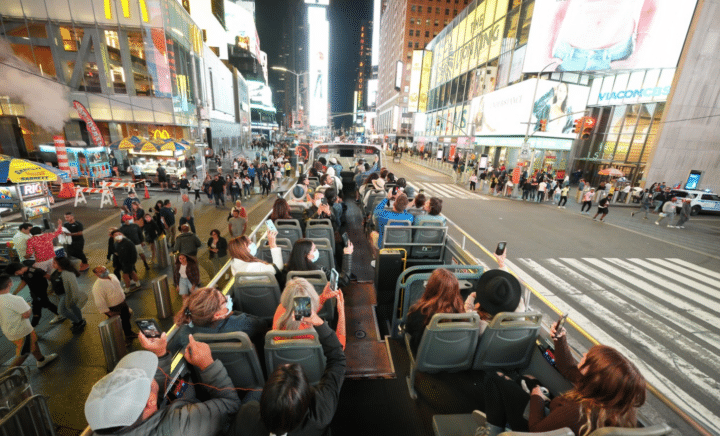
81	362
652	292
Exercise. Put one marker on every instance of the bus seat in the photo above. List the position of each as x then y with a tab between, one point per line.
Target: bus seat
375	197
284	346
508	341
653	430
297	211
263	251
397	234
327	258
467	424
314	182
417	212
388	186
257	294
320	229
237	353
411	285
318	279
445	346
289	229
432	235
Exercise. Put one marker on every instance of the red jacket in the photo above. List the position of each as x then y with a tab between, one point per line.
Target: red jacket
41	246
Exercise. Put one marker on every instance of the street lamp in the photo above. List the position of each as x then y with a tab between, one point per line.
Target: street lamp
297	88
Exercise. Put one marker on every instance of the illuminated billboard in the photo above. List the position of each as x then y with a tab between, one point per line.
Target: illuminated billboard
425	81
318	62
260	96
506	111
415	72
595	35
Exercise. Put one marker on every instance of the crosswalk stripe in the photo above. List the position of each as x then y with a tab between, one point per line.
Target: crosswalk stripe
672	391
432	190
697	268
674	288
446	190
661	353
464	192
672	313
682	270
684	281
442	190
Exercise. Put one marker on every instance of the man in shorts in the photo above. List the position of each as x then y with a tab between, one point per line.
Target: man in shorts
162	176
15	325
126	254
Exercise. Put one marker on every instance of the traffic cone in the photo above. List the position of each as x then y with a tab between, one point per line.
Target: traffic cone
147	194
114	201
67	190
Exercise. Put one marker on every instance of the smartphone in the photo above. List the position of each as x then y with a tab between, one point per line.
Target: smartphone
561	323
500	250
346	239
149	327
323	200
301	306
334	279
270	226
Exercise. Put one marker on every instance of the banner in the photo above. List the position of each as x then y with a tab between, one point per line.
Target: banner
92	128
415	74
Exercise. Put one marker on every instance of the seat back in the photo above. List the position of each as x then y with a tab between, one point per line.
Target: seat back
264	253
397	234
318	279
508	341
327	258
289	229
284	346
432	235
653	430
373	199
257	294
238	355
297	211
314	182
448	343
320	229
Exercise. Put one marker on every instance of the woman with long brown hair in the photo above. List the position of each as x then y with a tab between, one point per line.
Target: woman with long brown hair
242	251
280	210
442	295
607	390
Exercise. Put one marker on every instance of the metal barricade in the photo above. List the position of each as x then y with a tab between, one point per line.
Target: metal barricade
112	338
162	252
163	302
30	418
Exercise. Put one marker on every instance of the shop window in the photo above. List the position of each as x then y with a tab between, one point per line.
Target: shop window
527	12
26	30
427	34
141	76
71	37
39	56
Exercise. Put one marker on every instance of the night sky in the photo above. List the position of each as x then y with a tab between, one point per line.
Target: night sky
345	18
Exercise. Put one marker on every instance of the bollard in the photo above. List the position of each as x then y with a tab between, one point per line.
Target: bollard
112	338
162	252
161	290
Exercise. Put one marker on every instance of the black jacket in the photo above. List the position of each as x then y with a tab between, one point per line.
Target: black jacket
221	246
125	252
133	232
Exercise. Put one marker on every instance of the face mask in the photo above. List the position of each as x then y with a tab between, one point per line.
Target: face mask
105	274
252	249
129	221
229	304
315	256
118	238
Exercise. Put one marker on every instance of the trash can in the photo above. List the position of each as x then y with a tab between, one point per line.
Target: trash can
112	338
162	252
163	303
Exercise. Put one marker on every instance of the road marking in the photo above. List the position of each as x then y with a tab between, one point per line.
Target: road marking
697	268
685	281
681	270
447	190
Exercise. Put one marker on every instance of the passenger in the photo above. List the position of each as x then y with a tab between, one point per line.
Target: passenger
417	207
383	215
186	275
129	400
126	255
408	190
110	299
442	295
335	181
217	250
209	311
187	242
335	165
243	250
281	210
151	232
65	285
433	209
607	390
289	405
499	291
336	204
300	197
304	254
284	318
320	209
368	186
379	183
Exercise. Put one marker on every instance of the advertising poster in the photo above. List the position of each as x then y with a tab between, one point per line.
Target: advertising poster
415	73
506	111
596	35
318	62
425	81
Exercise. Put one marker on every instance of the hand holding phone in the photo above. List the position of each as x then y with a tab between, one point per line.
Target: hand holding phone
301	307
334	275
270	226
500	250
559	327
149	327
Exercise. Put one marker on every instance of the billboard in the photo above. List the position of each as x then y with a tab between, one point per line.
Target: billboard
318	62
594	35
260	95
398	75
415	71
425	81
506	111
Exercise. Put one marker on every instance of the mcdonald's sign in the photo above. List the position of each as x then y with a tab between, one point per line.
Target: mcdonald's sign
125	6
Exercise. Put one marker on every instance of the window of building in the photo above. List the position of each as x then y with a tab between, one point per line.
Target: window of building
412	20
427	34
411	32
417	45
447	11
141	76
435	33
427	22
39	56
437	23
412	8
525	24
115	68
410	45
446	22
429	9
437	10
454	12
71	37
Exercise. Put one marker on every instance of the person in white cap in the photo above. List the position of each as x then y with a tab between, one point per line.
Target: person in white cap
129	400
334	164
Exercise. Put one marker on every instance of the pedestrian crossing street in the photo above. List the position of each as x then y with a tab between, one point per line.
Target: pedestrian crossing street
446	190
667	310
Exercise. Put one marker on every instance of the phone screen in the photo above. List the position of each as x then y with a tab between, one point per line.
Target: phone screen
149	327
301	306
334	279
271	226
500	250
346	239
561	323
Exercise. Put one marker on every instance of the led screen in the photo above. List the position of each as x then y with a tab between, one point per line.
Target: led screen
318	61
506	112
595	35
260	95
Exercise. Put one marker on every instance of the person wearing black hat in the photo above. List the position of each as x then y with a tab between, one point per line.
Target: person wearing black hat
498	291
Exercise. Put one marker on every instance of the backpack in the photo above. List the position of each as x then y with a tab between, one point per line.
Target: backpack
57	283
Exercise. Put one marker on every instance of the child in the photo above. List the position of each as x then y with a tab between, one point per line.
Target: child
15	325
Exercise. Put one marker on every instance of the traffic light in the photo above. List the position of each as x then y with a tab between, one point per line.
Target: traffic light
543	125
588	126
579	125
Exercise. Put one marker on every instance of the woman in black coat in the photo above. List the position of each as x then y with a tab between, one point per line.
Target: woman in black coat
152	231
